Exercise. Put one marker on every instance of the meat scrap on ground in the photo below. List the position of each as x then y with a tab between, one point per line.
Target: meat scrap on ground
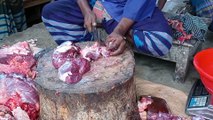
152	108
72	62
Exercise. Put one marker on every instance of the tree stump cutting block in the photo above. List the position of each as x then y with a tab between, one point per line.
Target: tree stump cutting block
106	92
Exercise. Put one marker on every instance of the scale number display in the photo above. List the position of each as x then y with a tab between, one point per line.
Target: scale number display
198	101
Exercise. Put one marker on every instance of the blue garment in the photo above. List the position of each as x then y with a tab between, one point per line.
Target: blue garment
137	10
64	21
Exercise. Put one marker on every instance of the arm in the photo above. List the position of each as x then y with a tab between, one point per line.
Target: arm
89	16
123	27
161	4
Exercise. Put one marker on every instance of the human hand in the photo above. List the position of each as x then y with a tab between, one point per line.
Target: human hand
115	43
90	21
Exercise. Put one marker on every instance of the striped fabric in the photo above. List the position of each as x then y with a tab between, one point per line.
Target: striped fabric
12	18
64	21
203	8
154	43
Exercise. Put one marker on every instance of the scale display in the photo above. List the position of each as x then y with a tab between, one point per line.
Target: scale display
200	102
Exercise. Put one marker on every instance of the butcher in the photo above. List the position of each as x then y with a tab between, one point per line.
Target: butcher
137	22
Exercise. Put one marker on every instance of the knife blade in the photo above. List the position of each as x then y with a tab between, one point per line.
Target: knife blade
96	36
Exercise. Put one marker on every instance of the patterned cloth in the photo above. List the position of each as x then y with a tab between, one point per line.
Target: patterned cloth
64	20
12	18
192	25
101	12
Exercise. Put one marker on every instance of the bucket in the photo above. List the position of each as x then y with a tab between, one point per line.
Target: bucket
203	62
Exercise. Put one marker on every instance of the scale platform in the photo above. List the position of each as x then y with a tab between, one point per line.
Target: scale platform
200	102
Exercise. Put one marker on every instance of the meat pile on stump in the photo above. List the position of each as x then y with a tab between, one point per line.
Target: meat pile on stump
19	99
72	61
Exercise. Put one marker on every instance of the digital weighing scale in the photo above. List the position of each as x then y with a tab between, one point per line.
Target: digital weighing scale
200	102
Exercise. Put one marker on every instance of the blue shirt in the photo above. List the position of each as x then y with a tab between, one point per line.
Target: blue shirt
136	10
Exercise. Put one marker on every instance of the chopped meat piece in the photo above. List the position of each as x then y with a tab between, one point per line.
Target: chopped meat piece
153	108
91	53
21	48
64	52
72	62
16	92
72	71
5	113
163	116
20	114
94	52
21	64
105	52
17	59
143	103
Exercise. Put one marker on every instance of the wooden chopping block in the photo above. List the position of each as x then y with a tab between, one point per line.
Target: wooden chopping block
107	91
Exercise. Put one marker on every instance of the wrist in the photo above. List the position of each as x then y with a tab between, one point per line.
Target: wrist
123	26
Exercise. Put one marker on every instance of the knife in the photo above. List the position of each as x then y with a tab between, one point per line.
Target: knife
97	36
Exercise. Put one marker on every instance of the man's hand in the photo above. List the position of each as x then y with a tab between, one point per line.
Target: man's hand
115	43
89	15
90	21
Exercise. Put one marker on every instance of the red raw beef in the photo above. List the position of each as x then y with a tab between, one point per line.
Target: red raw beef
5	113
72	62
21	48
17	59
72	71
20	114
143	103
153	108
94	52
66	51
104	51
16	92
